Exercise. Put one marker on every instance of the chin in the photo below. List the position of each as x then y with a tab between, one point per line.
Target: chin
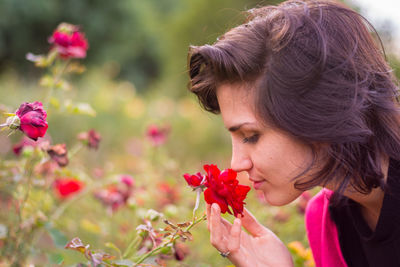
279	199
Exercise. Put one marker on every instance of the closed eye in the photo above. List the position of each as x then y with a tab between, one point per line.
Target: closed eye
252	139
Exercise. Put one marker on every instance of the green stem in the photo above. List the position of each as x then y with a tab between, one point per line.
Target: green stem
155	251
131	246
27	173
75	149
56	79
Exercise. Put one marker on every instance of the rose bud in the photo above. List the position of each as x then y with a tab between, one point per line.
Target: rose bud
69	42
127	180
194	180
32	118
90	138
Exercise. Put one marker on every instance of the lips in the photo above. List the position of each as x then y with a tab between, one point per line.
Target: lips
257	183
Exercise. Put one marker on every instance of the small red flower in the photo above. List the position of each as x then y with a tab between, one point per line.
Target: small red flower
193	180
224	189
127	180
91	138
69	42
157	135
66	187
32	118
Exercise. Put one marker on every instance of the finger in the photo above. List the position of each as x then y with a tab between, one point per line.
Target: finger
234	239
251	224
208	211
227	224
215	227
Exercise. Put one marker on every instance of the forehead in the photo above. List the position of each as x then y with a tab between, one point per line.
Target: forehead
236	103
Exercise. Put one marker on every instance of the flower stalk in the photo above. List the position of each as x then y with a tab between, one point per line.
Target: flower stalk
171	241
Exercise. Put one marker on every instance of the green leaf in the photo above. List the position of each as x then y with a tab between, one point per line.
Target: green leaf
63	85
58	237
55	102
56	258
124	263
80	108
114	247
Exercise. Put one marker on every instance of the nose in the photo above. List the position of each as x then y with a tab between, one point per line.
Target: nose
241	160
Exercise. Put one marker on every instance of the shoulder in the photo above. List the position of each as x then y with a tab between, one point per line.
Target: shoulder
317	210
318	203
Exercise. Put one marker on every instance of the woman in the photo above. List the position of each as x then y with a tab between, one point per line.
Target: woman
309	101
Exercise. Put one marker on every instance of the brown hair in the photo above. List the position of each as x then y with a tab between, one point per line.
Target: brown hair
318	75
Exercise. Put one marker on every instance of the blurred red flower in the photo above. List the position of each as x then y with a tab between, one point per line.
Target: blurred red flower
59	154
90	138
69	42
25	142
66	187
157	135
181	250
167	194
224	189
32	118
116	195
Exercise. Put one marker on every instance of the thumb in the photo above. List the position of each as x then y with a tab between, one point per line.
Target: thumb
250	223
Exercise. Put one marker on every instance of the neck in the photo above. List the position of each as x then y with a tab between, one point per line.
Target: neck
370	204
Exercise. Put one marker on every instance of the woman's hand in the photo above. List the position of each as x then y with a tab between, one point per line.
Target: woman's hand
261	247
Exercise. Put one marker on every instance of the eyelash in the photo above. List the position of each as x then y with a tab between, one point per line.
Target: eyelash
252	139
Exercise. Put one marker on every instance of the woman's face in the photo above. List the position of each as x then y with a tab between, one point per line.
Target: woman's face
269	156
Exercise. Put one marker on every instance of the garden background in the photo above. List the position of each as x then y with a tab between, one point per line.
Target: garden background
135	78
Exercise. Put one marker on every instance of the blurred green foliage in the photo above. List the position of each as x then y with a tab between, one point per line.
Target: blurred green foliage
147	40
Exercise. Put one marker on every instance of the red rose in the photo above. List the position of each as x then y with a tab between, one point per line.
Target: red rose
193	180
69	41
32	118
224	189
66	187
157	135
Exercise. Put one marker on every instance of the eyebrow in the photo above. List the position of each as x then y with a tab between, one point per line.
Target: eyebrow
237	127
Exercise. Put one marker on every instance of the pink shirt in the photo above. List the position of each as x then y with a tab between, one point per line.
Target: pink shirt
322	233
